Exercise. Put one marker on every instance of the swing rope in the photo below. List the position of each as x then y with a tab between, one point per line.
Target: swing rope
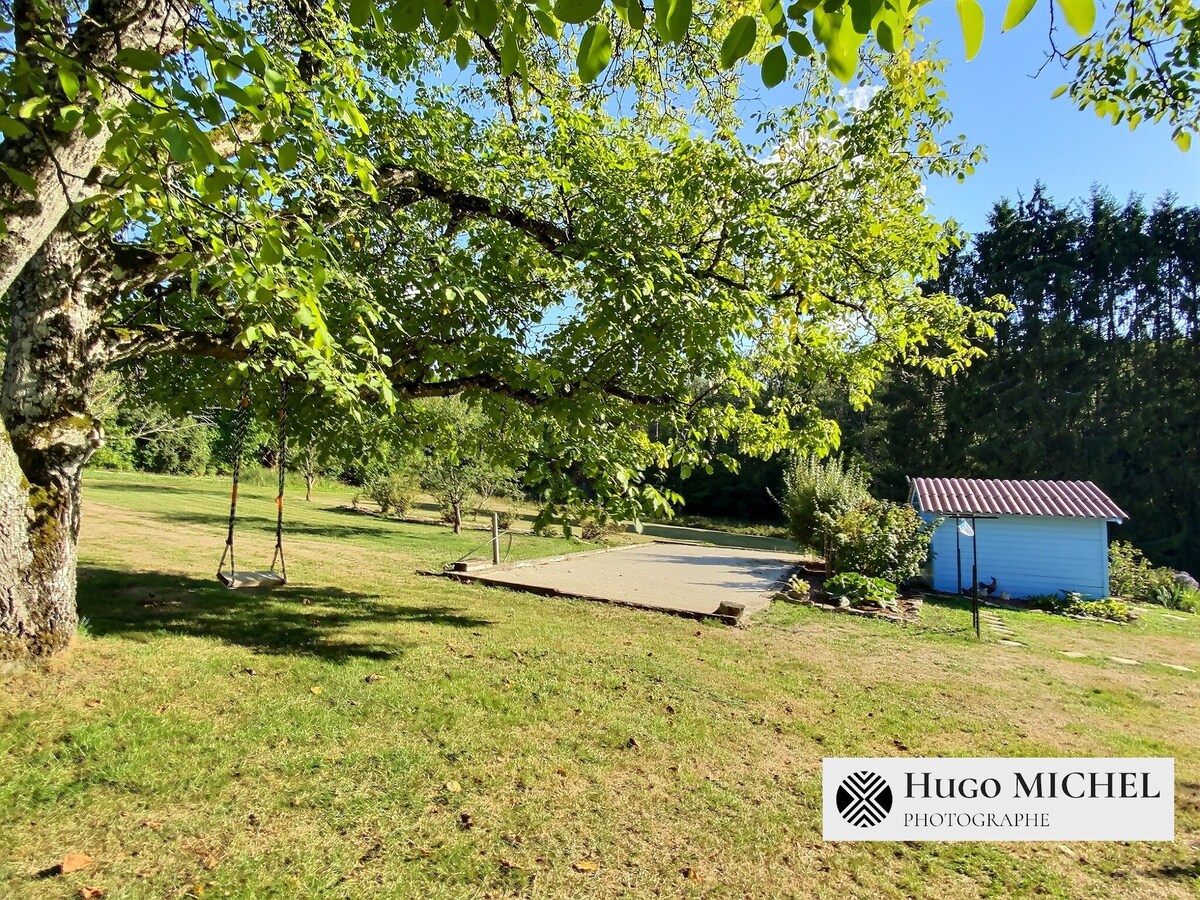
281	465
240	430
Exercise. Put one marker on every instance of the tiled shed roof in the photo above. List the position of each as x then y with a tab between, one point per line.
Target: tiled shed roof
989	497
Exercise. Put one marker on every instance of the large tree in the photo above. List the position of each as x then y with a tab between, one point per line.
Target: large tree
581	226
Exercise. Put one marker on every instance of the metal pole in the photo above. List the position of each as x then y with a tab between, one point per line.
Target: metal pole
975	574
495	539
958	553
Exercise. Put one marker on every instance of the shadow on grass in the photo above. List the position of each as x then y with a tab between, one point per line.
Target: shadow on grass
291	620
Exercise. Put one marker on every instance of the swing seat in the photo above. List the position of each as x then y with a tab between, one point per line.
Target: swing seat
236	580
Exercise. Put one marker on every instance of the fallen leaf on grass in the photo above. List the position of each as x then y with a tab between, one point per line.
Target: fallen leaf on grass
91	893
633	744
690	874
586	866
466	822
316	689
94	704
452	787
374	677
509	865
152	824
249	671
74	862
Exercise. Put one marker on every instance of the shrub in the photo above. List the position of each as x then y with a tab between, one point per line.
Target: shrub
1190	601
392	492
1131	575
1128	569
506	519
818	492
861	590
881	539
1109	608
186	450
595	523
117	452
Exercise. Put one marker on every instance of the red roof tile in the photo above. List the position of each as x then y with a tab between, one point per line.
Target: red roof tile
989	497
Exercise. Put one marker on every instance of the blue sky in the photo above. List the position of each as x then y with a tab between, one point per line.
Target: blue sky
1029	137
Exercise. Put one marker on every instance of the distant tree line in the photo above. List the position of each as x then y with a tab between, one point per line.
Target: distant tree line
1094	375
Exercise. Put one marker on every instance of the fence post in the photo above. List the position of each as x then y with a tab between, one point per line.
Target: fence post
495	539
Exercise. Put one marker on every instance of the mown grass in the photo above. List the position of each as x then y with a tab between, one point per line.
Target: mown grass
368	731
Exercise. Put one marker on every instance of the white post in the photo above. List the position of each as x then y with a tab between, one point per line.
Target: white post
495	539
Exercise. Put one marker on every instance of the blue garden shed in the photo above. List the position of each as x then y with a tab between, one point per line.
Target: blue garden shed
1031	537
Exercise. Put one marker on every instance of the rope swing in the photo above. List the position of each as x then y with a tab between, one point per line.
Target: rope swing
232	578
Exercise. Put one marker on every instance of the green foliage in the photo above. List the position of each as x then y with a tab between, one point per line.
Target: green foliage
817	493
881	539
596	524
393	492
176	451
1110	608
119	451
1092	376
1131	575
862	590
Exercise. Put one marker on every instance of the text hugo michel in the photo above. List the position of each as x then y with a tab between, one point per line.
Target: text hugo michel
1042	786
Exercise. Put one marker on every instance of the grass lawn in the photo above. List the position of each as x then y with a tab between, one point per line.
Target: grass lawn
367	731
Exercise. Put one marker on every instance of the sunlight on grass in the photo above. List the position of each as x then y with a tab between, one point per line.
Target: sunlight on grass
370	731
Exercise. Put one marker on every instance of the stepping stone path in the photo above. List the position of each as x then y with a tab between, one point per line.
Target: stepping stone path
1125	662
1074	654
996	624
1178	668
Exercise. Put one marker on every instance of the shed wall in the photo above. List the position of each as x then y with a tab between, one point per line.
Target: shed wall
1028	555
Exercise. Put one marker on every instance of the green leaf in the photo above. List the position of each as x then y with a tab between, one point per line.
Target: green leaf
576	12
800	43
595	52
672	18
178	143
633	15
406	15
739	41
287	156
970	16
842	57
487	17
1080	15
20	179
1182	139
70	83
862	14
774	66
1059	91
1016	13
510	53
886	37
361	12
462	52
547	24
137	58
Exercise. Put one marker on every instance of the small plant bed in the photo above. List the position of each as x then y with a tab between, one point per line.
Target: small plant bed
1075	606
850	592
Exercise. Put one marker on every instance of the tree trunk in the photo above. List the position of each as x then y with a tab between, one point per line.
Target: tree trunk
62	163
309	478
457	507
54	354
